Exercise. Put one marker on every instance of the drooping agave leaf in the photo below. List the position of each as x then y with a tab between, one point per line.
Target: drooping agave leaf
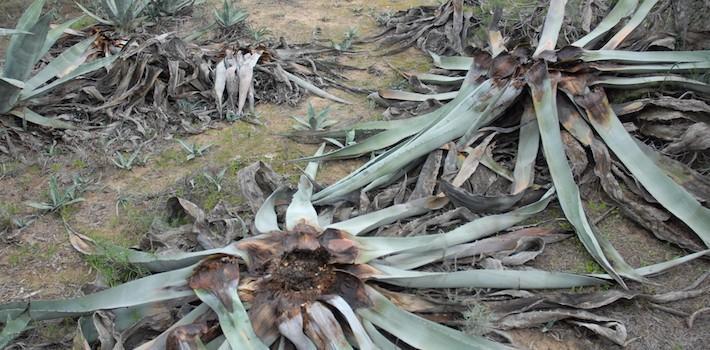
155	262
374	247
365	223
363	339
671	195
314	89
419	332
658	268
95	16
323	326
380	340
544	95
499	279
438	79
653	68
291	326
651	81
452	62
551	29
574	53
265	219
622	9
154	288
641	13
32	117
413	96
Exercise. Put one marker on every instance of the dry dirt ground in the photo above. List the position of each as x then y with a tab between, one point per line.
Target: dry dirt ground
120	206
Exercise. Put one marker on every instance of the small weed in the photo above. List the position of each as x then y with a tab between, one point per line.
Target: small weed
477	320
347	41
194	150
113	265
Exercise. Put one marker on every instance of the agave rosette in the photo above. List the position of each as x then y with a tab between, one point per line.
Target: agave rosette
308	283
559	98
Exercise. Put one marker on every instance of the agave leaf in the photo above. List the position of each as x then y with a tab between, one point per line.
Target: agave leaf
13	327
653	68
220	81
153	262
322	325
649	81
55	33
233	319
374	247
32	117
466	109
369	221
528	146
314	89
159	341
301	211
451	62
27	21
81	70
312	167
635	20
544	100
632	57
671	195
265	219
655	269
95	16
20	59
437	79
66	62
291	326
419	332
622	9
5	31
245	71
551	28
499	279
380	340
363	339
413	96
155	288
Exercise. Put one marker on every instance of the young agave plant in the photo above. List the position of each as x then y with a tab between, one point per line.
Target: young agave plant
313	120
304	282
174	7
122	14
31	41
564	88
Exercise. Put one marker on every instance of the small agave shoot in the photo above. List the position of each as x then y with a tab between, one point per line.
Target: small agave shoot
305	283
30	43
59	198
314	120
544	91
193	150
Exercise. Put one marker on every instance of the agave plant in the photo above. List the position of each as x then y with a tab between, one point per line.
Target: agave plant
564	87
18	88
122	14
230	15
174	7
314	120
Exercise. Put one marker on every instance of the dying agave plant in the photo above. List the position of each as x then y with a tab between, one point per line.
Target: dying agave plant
308	282
564	87
32	41
124	15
